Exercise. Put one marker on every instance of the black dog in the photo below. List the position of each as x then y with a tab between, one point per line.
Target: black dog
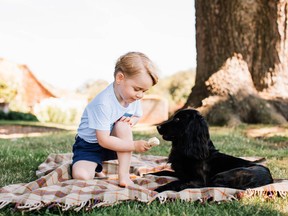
196	161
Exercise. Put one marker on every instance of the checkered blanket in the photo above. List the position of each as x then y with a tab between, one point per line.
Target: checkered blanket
55	187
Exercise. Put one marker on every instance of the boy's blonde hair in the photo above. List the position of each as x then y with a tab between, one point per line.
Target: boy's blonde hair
133	63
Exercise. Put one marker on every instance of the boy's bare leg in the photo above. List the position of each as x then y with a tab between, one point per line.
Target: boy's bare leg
124	159
83	170
123	131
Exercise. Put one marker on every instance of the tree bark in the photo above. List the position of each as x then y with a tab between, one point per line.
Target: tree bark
242	52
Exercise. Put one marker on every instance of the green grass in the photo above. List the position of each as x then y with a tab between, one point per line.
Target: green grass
19	159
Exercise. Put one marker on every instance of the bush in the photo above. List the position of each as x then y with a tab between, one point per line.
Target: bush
175	88
57	110
7	93
12	115
92	88
58	115
3	115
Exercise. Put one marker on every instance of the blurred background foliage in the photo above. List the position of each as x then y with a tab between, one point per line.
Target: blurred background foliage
7	92
175	89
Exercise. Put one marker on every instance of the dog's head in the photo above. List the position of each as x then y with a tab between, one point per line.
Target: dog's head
189	133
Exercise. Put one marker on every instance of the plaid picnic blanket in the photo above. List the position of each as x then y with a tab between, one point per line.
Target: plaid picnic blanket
55	187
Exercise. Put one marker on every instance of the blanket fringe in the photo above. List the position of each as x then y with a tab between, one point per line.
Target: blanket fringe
162	199
283	194
3	204
265	194
89	204
78	208
65	206
92	203
30	207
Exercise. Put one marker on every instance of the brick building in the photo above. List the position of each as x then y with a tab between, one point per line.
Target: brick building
29	89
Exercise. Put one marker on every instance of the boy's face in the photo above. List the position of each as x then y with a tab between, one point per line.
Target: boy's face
130	89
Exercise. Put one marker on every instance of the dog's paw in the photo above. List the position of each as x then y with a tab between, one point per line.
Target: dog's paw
154	141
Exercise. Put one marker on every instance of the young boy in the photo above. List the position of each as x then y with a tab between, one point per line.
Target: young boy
105	130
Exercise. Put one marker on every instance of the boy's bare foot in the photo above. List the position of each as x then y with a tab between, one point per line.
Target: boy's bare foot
100	175
126	182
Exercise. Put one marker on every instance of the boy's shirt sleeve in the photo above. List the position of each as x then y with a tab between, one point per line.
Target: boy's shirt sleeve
99	117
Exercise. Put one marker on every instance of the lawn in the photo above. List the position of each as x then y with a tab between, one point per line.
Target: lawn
20	157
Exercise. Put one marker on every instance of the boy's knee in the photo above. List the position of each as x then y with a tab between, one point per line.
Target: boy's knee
82	175
122	130
122	126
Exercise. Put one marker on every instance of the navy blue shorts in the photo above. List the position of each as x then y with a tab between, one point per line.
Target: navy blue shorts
83	150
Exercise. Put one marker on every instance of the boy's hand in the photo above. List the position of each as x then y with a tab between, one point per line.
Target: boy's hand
141	146
129	120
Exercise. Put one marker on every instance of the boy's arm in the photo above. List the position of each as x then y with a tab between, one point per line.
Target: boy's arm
117	144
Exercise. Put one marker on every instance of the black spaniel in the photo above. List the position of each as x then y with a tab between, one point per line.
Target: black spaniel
197	163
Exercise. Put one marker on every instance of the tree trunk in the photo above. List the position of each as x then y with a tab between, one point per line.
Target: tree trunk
242	60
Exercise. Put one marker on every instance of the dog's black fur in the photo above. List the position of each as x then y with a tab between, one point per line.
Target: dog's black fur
197	163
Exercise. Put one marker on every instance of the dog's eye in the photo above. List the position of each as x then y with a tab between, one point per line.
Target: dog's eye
176	120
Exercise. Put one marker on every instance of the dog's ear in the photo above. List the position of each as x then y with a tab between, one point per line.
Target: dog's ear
197	138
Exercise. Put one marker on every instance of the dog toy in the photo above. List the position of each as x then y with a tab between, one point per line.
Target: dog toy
154	141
